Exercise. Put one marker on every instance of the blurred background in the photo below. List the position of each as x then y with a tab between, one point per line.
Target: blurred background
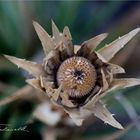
85	20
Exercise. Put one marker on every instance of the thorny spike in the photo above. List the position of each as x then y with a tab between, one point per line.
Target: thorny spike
111	49
121	84
102	113
98	109
56	34
33	68
95	41
44	37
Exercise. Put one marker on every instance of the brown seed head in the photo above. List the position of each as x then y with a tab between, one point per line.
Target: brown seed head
77	76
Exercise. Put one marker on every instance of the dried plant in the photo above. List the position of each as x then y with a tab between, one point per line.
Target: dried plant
76	77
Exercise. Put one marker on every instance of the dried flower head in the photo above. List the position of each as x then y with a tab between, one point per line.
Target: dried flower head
77	77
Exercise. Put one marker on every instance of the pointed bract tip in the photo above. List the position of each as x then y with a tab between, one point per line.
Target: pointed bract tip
56	33
10	58
121	127
53	22
66	32
104	35
35	23
37	26
109	51
6	56
31	67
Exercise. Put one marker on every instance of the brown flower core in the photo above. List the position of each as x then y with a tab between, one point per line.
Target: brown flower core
77	76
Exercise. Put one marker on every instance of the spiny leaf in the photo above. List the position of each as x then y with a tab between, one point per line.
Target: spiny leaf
111	49
121	84
102	113
44	37
33	68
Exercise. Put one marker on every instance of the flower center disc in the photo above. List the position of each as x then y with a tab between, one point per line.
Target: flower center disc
77	76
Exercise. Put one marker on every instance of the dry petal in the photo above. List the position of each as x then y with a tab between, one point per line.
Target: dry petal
101	57
56	94
32	67
98	109
80	114
111	49
53	94
94	99
65	100
88	47
35	83
105	83
124	83
115	69
44	37
102	113
68	48
94	42
66	33
56	34
121	84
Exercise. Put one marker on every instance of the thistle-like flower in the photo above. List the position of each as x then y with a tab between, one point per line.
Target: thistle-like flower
76	77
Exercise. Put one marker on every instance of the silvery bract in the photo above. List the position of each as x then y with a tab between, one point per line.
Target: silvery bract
76	77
